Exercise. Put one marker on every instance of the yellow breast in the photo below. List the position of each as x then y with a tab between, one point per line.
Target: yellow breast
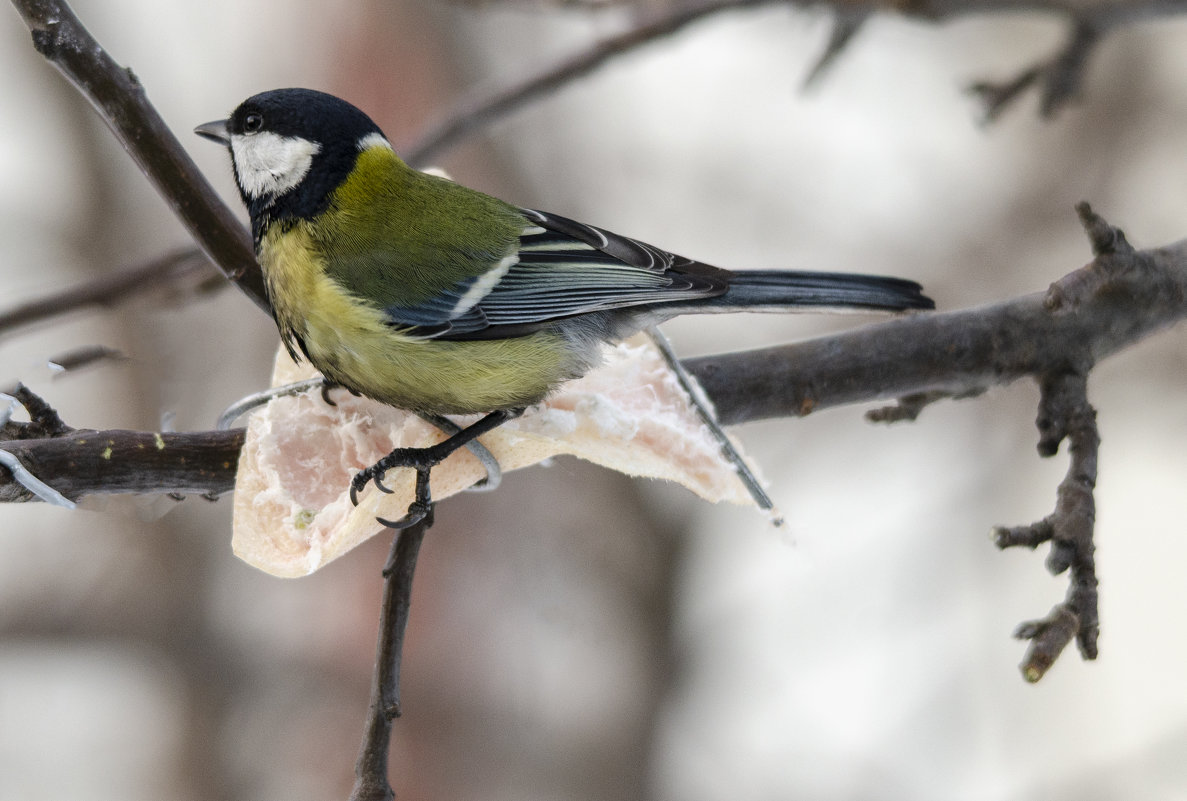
351	342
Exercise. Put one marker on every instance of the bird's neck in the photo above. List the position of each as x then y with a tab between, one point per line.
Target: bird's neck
331	170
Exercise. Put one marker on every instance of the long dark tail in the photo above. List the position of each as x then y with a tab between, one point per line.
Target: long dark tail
772	290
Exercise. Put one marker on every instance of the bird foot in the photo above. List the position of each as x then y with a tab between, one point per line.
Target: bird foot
423	460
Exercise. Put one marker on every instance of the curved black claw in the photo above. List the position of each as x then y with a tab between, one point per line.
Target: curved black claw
420	509
374	475
416	513
326	386
357	484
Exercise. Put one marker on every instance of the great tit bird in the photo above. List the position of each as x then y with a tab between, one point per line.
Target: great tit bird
426	295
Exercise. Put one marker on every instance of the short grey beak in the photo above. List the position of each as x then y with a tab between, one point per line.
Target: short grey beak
214	131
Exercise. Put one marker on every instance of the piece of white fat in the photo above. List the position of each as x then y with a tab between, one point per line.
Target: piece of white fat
292	508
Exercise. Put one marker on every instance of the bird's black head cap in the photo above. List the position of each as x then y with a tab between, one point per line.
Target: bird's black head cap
313	125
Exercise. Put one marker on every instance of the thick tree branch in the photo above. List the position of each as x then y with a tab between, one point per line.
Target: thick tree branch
118	96
84	462
1118	299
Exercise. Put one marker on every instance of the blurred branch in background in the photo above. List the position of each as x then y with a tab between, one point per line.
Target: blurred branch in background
117	94
1057	79
176	276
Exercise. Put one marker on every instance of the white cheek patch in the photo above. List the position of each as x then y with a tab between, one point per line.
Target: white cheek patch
269	164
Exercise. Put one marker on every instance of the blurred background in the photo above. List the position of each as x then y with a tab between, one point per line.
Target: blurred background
577	635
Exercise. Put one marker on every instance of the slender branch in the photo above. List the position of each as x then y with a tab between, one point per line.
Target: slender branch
44	420
472	115
118	96
1064	413
371	769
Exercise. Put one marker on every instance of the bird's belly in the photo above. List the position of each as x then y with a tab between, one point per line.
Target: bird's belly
437	377
351	342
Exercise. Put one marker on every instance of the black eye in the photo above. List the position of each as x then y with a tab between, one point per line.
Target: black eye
253	122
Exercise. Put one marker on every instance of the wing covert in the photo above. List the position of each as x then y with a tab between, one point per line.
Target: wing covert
562	268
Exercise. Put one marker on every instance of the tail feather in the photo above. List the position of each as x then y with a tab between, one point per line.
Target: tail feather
778	289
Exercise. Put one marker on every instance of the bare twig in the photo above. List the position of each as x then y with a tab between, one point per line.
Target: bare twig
85	356
371	769
472	115
1059	79
1064	412
44	420
909	407
845	27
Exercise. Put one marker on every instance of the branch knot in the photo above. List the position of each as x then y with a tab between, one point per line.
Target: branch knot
45	41
1106	239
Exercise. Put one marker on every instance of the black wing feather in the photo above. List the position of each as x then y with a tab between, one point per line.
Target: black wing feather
565	268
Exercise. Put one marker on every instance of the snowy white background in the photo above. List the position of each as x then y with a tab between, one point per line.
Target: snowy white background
863	653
